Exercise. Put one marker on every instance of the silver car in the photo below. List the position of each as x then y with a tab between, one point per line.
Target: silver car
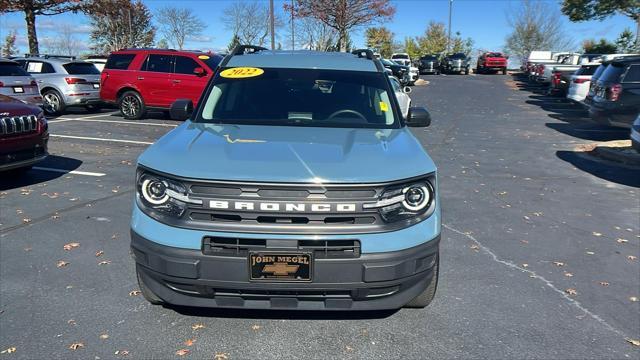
64	82
18	84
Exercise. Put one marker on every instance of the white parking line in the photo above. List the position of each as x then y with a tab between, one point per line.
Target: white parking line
112	121
102	139
75	172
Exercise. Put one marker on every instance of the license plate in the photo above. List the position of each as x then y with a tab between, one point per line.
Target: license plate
279	266
96	86
18	89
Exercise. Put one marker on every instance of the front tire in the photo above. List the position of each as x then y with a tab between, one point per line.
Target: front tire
504	71
149	295
53	102
425	298
132	106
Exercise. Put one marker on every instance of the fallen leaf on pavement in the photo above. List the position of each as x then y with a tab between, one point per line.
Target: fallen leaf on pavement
633	342
255	327
62	263
220	356
590	253
197	326
348	348
122	352
568	274
604	283
104	336
633	299
595	233
99	253
189	342
571	291
104	262
474	247
631	257
182	352
76	346
134	293
525	265
26	220
71	322
558	263
622	241
9	350
71	246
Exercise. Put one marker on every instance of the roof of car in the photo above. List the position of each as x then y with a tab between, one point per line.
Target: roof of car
303	59
53	59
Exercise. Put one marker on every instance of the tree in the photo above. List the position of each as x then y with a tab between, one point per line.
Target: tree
235	41
344	15
590	46
625	43
178	24
64	42
249	21
33	8
162	44
411	47
583	10
534	27
119	24
380	39
434	40
461	45
9	47
312	34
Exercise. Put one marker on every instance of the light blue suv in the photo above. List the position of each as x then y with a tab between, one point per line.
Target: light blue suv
294	184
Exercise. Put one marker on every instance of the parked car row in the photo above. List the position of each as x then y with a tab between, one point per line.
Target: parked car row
607	85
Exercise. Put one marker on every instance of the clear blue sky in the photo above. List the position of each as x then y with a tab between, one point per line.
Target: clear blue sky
482	20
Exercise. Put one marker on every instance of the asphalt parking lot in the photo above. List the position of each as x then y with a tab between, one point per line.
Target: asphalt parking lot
540	247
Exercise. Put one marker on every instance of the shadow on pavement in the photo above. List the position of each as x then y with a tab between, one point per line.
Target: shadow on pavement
587	131
281	314
606	170
12	179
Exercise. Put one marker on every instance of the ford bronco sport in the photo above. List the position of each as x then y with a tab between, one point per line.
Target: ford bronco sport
295	183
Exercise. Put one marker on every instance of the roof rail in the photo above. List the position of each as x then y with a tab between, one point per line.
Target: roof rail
241	50
49	56
364	53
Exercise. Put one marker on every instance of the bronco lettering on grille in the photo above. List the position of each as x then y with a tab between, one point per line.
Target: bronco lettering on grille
281	207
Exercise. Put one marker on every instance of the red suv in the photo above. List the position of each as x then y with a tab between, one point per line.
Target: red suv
141	79
492	61
23	135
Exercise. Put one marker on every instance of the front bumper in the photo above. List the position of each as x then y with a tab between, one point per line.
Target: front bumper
374	281
23	158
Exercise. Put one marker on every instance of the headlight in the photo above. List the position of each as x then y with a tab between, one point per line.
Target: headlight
404	202
44	125
160	195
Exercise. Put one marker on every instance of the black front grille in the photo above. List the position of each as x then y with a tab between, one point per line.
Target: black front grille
321	249
18	125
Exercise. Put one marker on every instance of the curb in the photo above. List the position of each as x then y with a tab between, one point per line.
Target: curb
613	154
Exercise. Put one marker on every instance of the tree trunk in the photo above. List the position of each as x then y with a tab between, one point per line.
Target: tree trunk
342	40
30	18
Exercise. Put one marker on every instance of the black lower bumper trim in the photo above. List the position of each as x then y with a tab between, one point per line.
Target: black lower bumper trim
371	282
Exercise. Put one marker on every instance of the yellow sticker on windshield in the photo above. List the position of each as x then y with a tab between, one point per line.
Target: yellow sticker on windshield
204	57
384	106
241	72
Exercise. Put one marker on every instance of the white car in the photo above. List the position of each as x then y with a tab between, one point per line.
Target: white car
401	58
580	82
402	94
98	61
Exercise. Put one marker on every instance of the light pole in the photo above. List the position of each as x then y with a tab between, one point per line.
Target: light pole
449	36
272	25
293	35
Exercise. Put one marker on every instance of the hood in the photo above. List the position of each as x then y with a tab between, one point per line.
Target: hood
288	154
13	107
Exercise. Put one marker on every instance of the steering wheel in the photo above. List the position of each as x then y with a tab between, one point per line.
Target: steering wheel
347	111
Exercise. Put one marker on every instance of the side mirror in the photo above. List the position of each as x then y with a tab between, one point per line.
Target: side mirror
181	109
406	90
199	71
418	117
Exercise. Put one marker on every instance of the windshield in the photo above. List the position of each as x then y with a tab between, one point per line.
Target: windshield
12	69
428	57
302	97
400	56
458	56
494	55
387	62
211	61
81	68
